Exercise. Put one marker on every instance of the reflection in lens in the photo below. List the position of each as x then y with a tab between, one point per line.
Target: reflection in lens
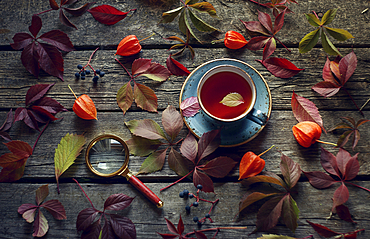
107	155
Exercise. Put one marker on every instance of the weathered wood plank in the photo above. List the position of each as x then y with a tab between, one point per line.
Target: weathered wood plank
17	18
314	205
277	132
16	80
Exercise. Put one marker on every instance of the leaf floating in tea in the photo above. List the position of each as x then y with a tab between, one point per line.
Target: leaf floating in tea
232	100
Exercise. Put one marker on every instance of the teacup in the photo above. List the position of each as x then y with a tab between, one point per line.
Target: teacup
221	81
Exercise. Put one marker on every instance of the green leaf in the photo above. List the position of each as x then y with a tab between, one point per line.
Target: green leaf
290	213
190	2
328	17
145	97
205	7
328	45
309	41
232	100
182	24
140	146
178	163
146	128
313	20
339	34
271	236
67	151
189	28
125	97
170	15
154	162
200	24
252	198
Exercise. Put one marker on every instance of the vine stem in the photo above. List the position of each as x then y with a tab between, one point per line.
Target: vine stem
147	37
266	151
282	44
44	11
124	68
353	101
72	91
37	140
257	3
362	107
84	193
215	228
358	186
323	142
176	181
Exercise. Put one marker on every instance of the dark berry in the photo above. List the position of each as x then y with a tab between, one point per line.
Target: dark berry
77	75
199	224
191	195
195	219
207	215
95	79
79	66
83	73
181	194
87	71
186	192
187	208
97	71
83	77
102	73
195	204
199	186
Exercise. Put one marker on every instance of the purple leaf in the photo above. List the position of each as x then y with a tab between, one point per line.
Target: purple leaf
107	232
93	231
51	60
269	213
289	213
270	47
219	167
279	22
40	226
347	65
255	26
21	40
265	20
176	68
319	179
80	10
53	4
327	75
63	19
117	202
257	43
329	162
35	25
189	148
36	92
85	218
8	121
343	157
200	235
172	122
41	193
203	179
25	207
171	227
326	88
190	106
343	213
290	170
56	209
352	168
208	143
58	39
341	195
30	59
123	227
323	231
180	226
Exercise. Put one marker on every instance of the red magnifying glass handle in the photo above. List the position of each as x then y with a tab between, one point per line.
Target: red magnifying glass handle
146	191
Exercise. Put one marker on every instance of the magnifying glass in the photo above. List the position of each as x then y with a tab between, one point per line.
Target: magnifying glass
107	156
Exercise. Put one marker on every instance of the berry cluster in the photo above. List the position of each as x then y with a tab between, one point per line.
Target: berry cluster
186	194
83	71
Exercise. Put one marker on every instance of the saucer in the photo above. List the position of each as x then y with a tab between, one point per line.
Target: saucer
235	133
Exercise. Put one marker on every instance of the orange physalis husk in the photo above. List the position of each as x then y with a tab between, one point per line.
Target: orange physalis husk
84	107
234	40
306	133
250	165
128	46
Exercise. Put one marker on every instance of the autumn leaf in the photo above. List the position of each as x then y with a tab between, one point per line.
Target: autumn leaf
28	211
190	106
182	45
37	55
310	40
232	99
280	67
326	232
276	5
68	150
278	205
7	125
107	14
305	110
176	68
353	130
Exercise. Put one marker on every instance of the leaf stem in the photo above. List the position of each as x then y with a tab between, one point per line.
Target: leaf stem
353	101
266	151
124	68
72	91
316	15
257	3
358	186
44	11
362	107
84	193
147	37
176	181
323	142
282	44
37	140
215	228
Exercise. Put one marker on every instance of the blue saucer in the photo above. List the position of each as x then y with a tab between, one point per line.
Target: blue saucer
236	133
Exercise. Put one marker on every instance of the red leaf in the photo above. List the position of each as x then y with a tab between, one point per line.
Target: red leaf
348	166
265	20
36	25
156	72
327	75
117	202
257	43
10	175
305	110
8	121
180	226
107	232
323	231
40	225
269	214
36	92
93	231
203	179
63	19
51	105
176	68
190	106
19	148
123	227
341	195
85	218
30	59
80	10
326	88
189	148
347	65
219	167
200	235
280	67
167	235
58	39
51	60
140	65
255	26
21	40
145	97
270	47
171	227
172	121
319	179
208	143
25	207
290	170
53	4
329	162
107	14
344	213
279	22
56	209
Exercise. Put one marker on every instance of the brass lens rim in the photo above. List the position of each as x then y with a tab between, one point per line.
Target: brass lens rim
97	139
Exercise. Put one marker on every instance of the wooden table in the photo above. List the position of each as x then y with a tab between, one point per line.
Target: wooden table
315	205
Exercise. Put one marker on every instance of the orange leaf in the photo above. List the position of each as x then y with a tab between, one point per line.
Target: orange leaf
84	107
250	165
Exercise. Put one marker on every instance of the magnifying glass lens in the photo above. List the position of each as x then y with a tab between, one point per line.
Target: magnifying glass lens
107	156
